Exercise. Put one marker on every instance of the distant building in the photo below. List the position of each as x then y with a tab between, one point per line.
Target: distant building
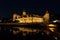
25	18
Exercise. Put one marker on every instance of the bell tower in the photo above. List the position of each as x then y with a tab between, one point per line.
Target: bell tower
14	16
46	16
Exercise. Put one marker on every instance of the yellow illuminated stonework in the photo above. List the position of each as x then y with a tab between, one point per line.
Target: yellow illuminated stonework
46	16
25	18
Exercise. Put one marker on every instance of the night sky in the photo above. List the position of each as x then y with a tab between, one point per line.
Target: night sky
8	7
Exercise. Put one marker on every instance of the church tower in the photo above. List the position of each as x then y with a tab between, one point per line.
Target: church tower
14	16
46	16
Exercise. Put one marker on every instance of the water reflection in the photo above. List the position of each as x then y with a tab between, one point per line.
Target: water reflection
23	33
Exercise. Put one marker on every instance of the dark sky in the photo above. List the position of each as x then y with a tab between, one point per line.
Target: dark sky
8	7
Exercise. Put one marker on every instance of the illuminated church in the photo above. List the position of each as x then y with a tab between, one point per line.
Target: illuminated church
25	18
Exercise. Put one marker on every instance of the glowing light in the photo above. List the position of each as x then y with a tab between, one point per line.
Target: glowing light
55	21
15	32
56	38
24	13
52	29
28	30
51	25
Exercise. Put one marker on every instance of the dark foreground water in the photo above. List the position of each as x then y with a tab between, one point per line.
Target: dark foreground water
6	34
